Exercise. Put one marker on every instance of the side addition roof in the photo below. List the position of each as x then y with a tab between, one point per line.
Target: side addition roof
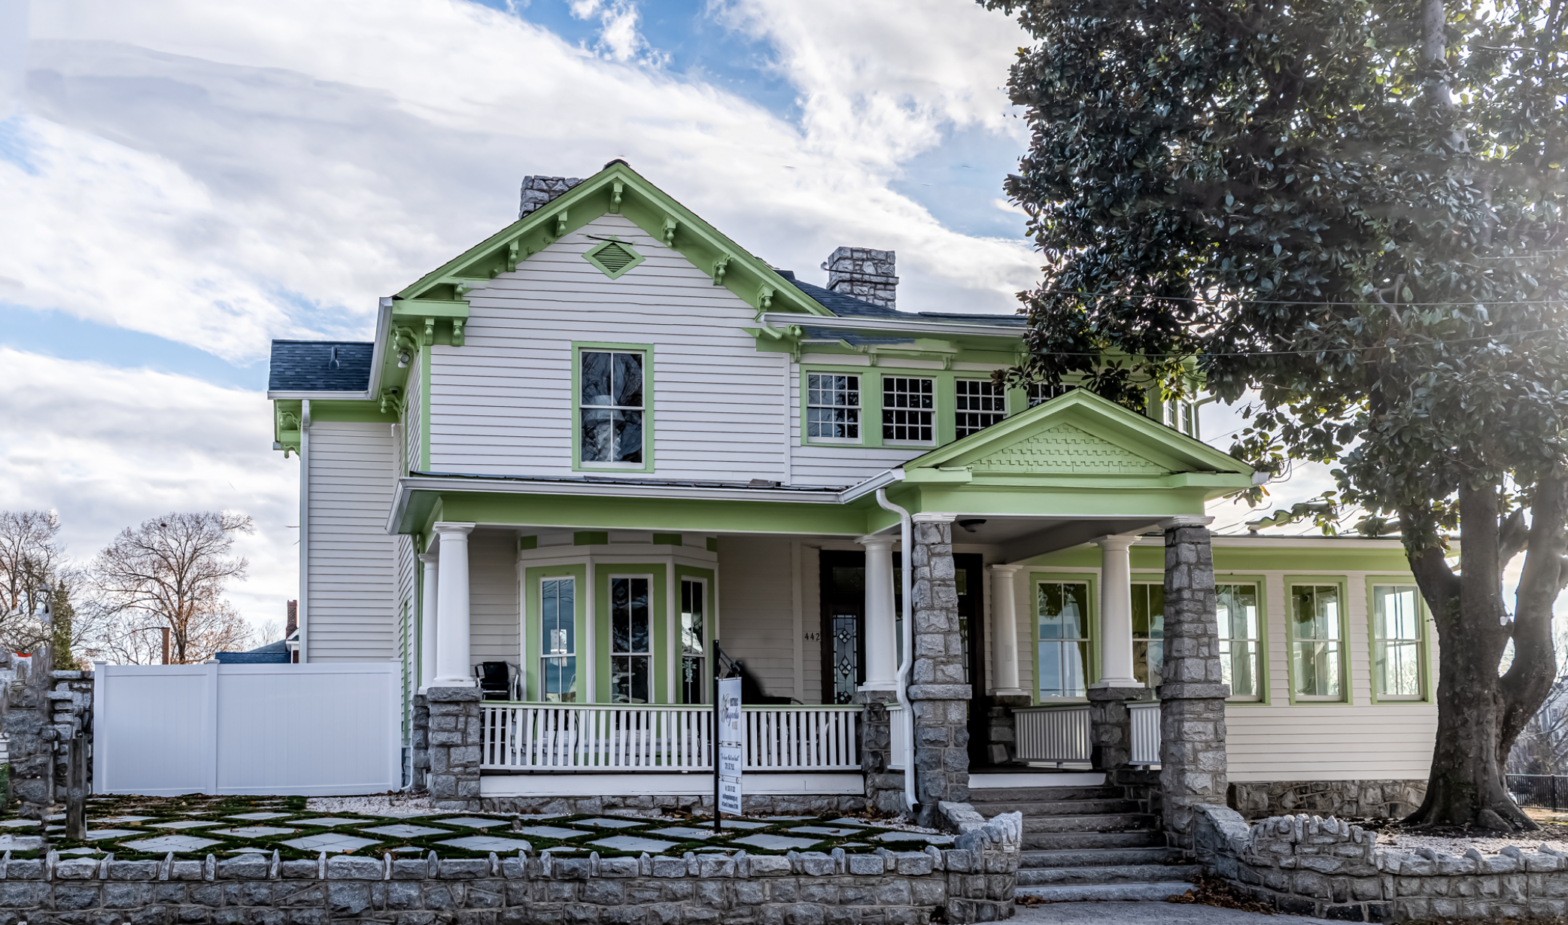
320	366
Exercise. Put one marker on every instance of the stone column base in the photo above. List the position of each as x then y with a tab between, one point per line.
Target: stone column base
884	786
419	745
1002	728
455	736
1110	725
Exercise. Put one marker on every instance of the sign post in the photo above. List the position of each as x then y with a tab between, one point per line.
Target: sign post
730	739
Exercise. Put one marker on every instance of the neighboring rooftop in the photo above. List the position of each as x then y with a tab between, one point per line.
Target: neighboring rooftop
851	307
320	366
273	653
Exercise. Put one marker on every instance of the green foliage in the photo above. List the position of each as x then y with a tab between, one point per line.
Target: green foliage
1365	236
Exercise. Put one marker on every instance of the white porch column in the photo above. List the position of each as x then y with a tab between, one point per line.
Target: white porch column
427	622
881	637
452	668
1116	613
1004	631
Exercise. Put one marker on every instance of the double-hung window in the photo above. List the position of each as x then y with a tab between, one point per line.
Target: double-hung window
1040	393
1241	640
832	407
1317	642
908	409
611	408
694	648
1396	633
631	640
558	643
1148	633
979	403
1063	608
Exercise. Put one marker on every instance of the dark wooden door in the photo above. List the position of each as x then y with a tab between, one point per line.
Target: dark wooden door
969	576
843	583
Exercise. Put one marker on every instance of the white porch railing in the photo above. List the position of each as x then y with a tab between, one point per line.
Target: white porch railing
1145	732
1060	734
895	719
626	737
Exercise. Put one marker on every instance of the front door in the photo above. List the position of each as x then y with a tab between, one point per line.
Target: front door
843	624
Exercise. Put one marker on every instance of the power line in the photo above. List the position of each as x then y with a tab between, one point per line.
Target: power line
1267	353
1222	300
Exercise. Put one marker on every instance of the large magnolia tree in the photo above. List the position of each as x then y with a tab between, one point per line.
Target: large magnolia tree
1350	213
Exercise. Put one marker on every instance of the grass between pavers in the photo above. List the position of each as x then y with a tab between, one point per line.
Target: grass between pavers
219	810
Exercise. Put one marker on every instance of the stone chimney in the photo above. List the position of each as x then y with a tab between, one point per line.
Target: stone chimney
292	623
539	190
865	274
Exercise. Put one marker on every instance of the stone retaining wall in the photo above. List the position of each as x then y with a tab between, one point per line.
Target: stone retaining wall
1373	799
1308	865
972	882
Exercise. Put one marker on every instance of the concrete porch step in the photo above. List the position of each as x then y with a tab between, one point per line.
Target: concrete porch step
1059	841
1068	807
1079	876
1091	892
1096	857
1094	822
1043	795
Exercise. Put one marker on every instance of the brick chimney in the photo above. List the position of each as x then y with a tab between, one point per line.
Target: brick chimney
865	274
537	191
292	623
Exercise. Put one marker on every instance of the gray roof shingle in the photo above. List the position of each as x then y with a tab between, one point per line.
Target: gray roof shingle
849	306
320	366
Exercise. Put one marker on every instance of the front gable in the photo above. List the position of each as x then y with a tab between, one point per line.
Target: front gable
1065	449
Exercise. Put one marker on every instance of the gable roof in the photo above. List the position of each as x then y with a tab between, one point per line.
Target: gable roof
320	366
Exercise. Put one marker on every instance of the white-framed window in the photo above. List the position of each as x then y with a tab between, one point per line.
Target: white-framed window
1040	393
1396	631
979	403
611	407
1316	642
1063	620
832	407
558	640
694	641
1241	640
1148	632
631	640
908	409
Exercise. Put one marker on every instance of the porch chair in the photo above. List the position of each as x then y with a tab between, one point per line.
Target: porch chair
495	681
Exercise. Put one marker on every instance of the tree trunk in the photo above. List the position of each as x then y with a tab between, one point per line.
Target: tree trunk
1467	786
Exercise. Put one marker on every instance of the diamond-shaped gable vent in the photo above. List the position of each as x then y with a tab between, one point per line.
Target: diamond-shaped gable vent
613	258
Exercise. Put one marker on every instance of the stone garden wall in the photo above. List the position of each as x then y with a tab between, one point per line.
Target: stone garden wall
971	882
1308	865
1371	799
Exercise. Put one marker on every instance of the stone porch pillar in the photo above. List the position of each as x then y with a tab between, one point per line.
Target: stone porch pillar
1192	697
452	662
937	690
881	627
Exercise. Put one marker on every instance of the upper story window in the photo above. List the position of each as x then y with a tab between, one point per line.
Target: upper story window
832	407
979	404
611	406
908	410
1040	392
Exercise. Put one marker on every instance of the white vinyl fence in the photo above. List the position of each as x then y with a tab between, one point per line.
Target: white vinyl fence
311	730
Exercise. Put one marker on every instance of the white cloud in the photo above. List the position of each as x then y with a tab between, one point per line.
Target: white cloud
619	39
109	448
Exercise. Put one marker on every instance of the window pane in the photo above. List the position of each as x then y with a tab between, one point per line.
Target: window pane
1396	625
628	380
628	436
598	436
1148	632
596	379
558	643
629	615
1241	650
1317	669
907	413
692	618
1064	645
979	404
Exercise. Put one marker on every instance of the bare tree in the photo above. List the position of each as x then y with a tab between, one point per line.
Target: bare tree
30	556
172	572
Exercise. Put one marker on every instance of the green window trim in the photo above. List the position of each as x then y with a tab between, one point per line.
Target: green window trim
1091	672
1424	647
578	348
532	649
661	686
945	400
614	258
1347	680
1260	583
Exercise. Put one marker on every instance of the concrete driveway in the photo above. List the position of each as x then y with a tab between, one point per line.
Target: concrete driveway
1118	913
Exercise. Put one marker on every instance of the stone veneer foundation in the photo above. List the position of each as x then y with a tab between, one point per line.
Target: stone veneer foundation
1354	799
971	882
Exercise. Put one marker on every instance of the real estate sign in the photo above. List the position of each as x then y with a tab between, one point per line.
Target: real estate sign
732	745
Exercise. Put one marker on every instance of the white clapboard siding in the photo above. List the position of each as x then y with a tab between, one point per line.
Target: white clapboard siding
811	622
493	605
351	605
835	466
757	604
501	404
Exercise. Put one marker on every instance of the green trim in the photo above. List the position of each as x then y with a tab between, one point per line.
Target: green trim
1276	557
666	539
659	652
1265	691
1346	681
532	648
593	257
709	621
945	391
1091	671
647	406
525	543
589	538
351	412
1424	647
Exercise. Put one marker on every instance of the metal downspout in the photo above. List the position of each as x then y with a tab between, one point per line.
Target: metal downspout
906	531
304	528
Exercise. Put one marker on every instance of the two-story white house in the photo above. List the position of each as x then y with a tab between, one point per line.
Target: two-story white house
608	450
